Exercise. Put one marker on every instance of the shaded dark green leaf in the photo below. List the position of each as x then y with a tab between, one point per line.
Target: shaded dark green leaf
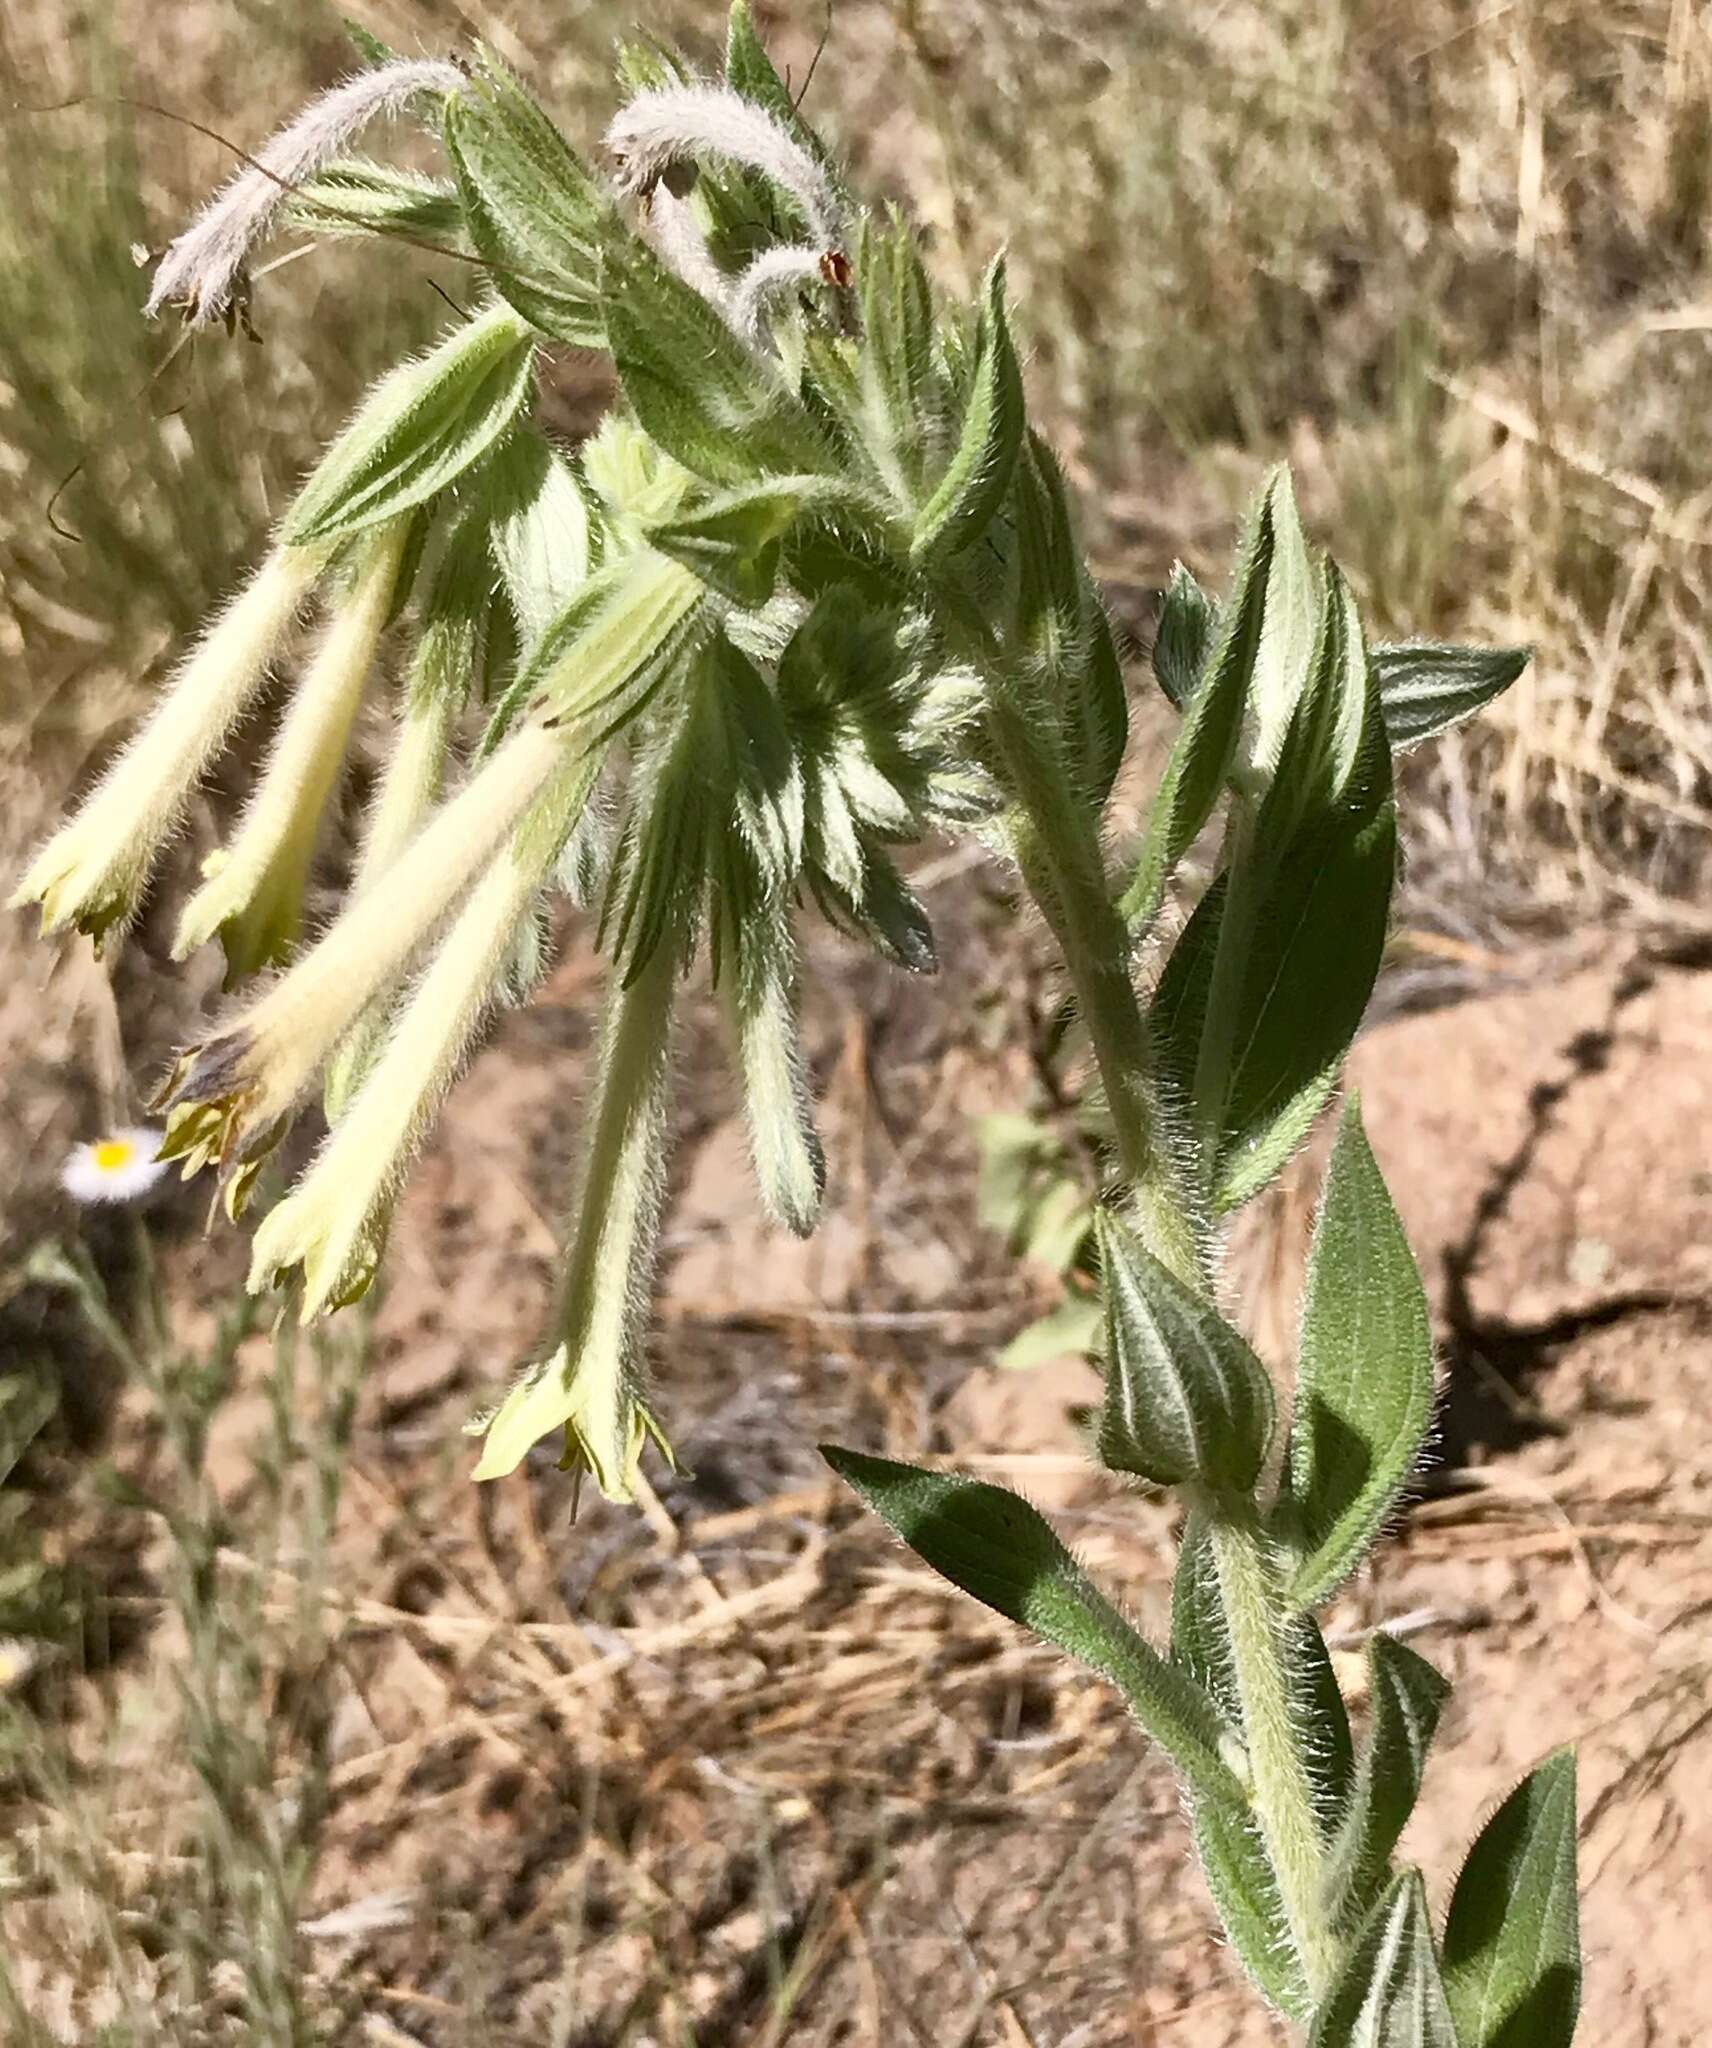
1405	1695
1364	1385
534	211
723	412
1512	1944
994	1545
979	473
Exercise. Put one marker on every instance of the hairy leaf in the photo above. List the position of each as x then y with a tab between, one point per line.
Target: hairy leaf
1404	1695
1512	1944
979	473
994	1545
534	211
1186	1399
1364	1385
419	429
721	411
1389	1993
1427	687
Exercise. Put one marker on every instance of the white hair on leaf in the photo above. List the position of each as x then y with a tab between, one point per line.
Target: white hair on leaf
202	266
658	129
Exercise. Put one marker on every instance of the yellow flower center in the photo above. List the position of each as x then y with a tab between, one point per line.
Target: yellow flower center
113	1153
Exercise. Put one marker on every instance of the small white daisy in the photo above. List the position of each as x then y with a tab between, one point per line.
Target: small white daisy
117	1168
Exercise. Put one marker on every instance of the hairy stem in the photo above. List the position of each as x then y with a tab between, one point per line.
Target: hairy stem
1282	1796
1058	850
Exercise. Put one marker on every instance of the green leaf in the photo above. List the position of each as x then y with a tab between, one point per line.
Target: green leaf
368	45
1072	678
627	630
1228	1841
534	211
1405	1695
790	1167
721	411
539	530
1313	881
1186	1399
994	1545
1429	686
354	196
1512	1944
749	71
1364	1384
901	404
1389	1993
1204	753
734	541
1188	626
979	473
1070	1330
420	428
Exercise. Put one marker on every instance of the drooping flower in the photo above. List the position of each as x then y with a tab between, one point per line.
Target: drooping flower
229	1093
92	873
334	1223
202	268
253	895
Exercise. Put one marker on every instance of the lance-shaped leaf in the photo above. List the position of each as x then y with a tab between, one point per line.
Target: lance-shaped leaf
790	1167
992	1544
1256	628
419	429
1364	1384
1512	1945
1405	1694
1266	987
979	472
750	71
1188	626
733	541
540	531
356	197
1186	1399
1389	1993
899	393
724	413
534	211
1426	687
623	636
1072	675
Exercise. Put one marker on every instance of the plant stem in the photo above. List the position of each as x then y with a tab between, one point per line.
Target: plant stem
1057	847
1256	1624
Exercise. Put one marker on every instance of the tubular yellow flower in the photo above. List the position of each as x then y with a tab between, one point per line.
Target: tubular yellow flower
232	1089
407	793
593	1386
254	895
334	1222
94	869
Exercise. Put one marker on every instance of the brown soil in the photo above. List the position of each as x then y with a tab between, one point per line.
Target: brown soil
736	1765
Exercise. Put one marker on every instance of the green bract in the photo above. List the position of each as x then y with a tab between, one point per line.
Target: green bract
811	593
